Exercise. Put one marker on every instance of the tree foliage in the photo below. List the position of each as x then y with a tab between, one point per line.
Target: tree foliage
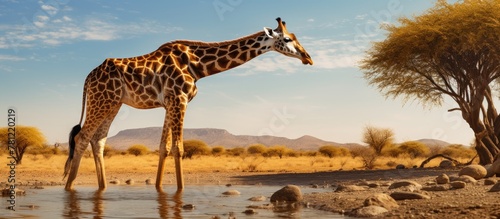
277	150
25	136
414	149
451	50
378	138
218	150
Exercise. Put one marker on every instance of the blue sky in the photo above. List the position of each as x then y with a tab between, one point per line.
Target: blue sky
47	48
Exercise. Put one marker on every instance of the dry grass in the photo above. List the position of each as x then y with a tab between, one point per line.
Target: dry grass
148	164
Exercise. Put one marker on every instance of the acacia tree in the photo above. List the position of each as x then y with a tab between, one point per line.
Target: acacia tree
26	136
378	138
452	50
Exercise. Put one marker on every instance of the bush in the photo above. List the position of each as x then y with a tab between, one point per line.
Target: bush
110	151
458	151
218	150
237	151
278	150
367	154
138	149
414	149
334	151
195	147
257	149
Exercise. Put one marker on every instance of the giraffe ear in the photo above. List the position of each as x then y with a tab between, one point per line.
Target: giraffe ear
270	32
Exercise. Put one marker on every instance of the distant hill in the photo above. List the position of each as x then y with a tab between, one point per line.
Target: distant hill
433	142
151	138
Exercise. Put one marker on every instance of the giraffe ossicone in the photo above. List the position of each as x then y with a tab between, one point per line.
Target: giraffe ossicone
164	78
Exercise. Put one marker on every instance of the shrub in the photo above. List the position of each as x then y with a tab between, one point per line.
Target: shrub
278	150
110	151
256	149
237	151
195	147
138	149
218	150
414	149
367	154
458	151
333	151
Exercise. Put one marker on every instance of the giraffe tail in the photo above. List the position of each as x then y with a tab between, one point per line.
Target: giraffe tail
72	143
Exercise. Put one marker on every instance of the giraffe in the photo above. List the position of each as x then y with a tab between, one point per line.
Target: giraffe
164	78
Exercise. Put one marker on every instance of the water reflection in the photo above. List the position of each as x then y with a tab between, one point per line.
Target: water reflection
73	208
163	208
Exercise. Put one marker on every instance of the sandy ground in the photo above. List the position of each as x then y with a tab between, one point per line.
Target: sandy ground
473	201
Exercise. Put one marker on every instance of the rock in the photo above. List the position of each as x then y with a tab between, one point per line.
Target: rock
405	183
475	171
148	182
349	188
188	207
229	185
458	184
258	198
130	182
408	195
373	185
446	164
442	179
8	192
289	193
231	192
369	211
115	181
400	167
250	211
382	200
465	179
435	188
495	188
494	168
490	181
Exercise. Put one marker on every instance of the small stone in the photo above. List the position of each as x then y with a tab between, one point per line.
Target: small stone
8	192
405	183
495	188
458	184
250	211
474	170
435	188
231	192
129	182
350	188
382	200
373	185
148	181
229	185
408	195
400	167
258	198
465	179
289	193
490	181
494	168
369	211
446	164
115	181
188	207
443	179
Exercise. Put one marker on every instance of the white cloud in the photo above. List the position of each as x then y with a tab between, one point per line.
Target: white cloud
11	58
51	10
49	31
310	20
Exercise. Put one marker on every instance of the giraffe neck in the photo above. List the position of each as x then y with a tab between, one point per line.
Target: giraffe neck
207	59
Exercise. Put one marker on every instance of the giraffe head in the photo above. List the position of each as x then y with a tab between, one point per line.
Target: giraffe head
286	43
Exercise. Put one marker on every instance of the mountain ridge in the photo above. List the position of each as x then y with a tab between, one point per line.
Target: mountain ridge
150	137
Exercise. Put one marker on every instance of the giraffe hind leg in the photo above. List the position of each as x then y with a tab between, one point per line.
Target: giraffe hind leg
98	143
